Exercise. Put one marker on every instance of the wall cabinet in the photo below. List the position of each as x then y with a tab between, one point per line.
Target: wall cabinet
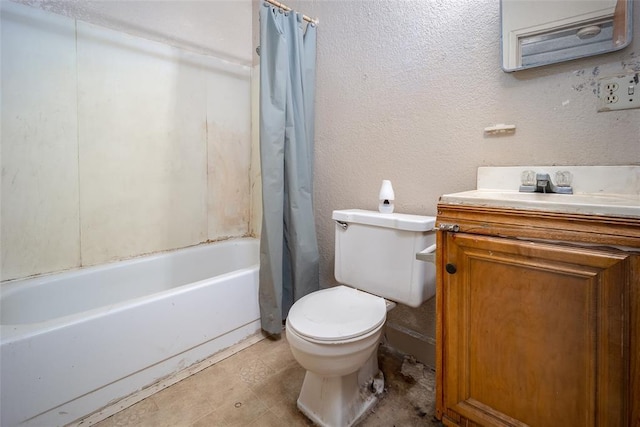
537	319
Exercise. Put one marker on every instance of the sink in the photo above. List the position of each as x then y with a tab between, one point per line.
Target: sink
599	190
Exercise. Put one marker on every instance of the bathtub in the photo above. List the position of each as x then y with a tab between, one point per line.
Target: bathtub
74	342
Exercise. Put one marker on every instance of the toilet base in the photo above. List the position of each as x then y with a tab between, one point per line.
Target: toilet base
341	401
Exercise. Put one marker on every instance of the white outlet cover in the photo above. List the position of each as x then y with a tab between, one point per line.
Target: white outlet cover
619	92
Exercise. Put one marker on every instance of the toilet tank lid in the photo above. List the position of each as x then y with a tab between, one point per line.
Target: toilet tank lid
398	221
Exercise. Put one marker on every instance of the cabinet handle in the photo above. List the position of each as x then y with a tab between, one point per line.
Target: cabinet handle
451	269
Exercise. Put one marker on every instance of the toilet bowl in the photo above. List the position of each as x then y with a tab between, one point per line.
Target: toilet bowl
334	333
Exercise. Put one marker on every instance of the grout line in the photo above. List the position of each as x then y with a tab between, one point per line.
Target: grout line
75	24
207	196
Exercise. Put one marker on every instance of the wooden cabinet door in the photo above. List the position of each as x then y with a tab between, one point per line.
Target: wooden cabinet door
533	334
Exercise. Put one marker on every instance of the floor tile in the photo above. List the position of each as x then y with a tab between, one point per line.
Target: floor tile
285	385
239	407
259	387
268	419
255	372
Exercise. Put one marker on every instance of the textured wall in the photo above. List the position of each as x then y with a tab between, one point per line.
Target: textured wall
405	89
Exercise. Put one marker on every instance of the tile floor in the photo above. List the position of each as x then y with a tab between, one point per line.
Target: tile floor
259	385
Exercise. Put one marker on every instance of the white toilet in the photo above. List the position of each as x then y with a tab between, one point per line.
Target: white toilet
334	333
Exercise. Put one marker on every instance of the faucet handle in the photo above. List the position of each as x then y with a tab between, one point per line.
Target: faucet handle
528	177
563	178
527	181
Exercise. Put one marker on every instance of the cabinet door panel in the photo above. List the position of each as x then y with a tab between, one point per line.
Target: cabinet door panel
534	333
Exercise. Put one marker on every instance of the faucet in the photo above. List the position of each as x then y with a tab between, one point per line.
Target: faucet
543	183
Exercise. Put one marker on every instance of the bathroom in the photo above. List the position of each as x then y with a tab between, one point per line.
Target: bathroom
404	92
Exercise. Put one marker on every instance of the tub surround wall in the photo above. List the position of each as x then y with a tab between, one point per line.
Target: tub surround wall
142	160
39	216
256	172
115	146
219	28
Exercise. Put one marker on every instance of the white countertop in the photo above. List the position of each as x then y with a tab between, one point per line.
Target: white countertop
598	190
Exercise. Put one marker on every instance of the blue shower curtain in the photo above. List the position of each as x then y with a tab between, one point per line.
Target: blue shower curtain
288	244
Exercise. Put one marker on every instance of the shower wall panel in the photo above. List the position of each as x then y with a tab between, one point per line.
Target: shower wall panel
114	146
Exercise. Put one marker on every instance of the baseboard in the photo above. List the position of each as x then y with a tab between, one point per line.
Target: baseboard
415	344
229	350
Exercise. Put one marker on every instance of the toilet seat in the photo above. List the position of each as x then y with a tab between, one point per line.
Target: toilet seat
336	314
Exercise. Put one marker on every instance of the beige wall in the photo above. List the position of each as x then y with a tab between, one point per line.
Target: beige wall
405	89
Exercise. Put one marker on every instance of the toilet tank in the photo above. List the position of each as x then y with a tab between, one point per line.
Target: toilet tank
376	253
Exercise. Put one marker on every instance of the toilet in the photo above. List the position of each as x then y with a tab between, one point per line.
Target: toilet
334	333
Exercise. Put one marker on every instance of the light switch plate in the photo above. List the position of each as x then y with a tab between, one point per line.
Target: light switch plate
619	92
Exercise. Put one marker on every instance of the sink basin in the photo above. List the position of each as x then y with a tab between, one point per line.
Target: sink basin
598	190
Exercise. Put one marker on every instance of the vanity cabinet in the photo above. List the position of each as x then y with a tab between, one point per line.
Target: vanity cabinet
537	318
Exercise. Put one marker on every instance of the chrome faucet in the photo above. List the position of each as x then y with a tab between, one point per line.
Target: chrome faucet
542	183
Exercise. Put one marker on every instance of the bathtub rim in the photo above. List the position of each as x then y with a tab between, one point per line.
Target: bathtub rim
132	260
11	332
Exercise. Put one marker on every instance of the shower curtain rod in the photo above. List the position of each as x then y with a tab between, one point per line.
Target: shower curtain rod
287	8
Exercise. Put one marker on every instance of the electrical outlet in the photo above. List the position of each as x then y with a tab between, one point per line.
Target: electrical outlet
619	92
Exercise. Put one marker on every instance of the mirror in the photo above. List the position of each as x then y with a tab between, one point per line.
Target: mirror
536	33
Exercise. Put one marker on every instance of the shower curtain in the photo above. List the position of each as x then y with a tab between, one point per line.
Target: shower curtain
288	244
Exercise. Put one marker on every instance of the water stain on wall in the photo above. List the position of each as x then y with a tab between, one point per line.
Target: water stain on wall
229	185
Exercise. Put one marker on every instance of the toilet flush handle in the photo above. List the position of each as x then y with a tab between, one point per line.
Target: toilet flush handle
427	255
342	224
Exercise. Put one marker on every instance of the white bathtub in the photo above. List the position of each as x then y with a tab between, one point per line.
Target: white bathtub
74	342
